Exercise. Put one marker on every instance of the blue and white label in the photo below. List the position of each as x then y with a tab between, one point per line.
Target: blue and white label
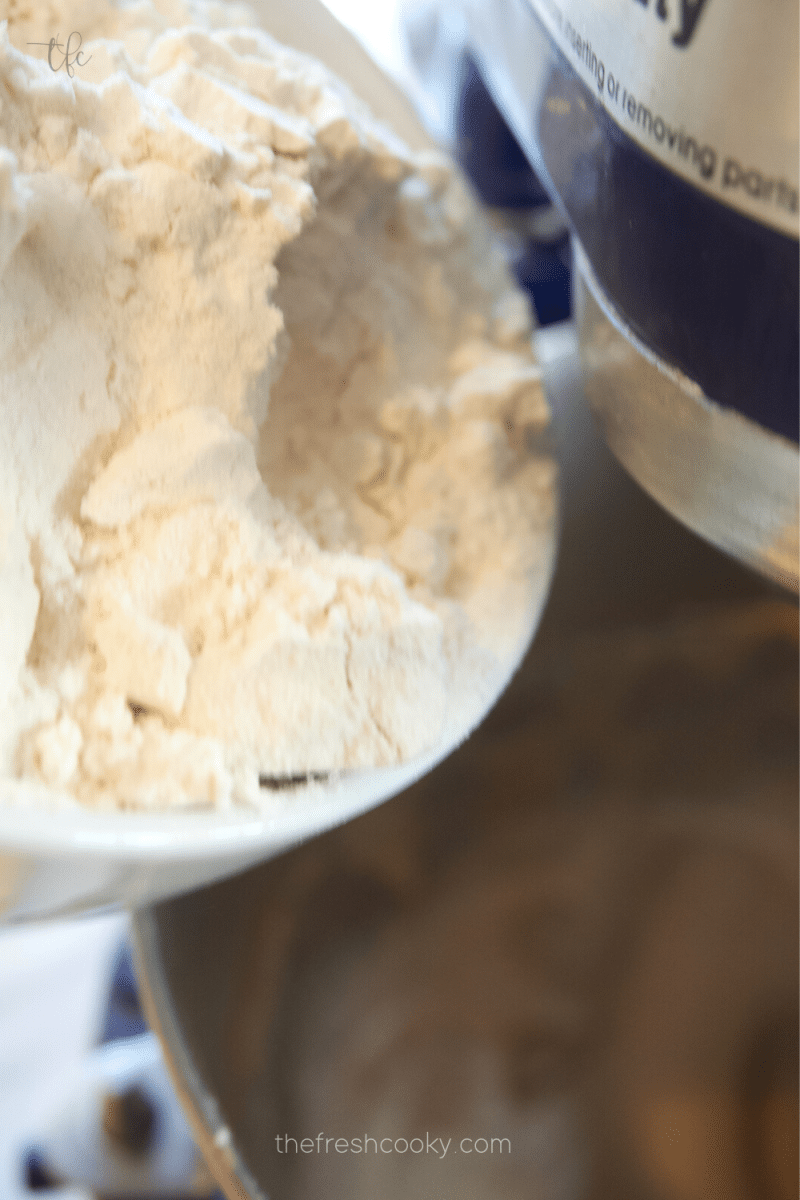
708	87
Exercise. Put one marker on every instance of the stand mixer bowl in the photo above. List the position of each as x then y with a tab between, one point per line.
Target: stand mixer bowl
578	933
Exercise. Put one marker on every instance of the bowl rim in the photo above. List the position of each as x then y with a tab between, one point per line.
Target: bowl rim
192	833
285	818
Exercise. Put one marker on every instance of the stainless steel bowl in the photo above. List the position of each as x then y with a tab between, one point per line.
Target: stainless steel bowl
578	934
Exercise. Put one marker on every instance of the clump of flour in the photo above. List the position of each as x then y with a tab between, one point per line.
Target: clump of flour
271	502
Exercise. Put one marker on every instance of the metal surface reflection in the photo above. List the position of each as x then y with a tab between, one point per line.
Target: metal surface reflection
578	934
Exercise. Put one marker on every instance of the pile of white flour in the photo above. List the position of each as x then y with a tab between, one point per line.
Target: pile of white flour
270	504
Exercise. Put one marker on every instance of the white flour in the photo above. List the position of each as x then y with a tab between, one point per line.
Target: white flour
269	504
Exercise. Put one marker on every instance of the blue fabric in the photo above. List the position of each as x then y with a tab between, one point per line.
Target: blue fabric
495	164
